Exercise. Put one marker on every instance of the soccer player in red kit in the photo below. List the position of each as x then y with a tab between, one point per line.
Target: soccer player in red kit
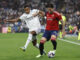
51	30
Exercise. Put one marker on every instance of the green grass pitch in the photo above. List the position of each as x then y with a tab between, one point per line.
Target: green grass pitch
10	44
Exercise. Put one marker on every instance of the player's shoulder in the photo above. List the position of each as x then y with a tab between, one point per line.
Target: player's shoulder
35	10
24	14
56	12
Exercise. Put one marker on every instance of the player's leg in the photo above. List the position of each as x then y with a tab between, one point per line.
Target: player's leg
34	41
32	35
53	40
60	34
41	47
46	36
27	42
60	31
34	38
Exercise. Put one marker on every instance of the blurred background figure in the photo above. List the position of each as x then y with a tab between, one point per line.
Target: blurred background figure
62	33
10	9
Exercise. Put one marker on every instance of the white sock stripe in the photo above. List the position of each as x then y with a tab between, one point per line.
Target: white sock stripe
69	41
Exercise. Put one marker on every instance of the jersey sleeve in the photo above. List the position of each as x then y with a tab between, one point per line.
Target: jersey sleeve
58	15
21	17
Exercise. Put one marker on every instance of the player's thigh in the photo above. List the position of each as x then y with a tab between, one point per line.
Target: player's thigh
54	35
45	37
38	30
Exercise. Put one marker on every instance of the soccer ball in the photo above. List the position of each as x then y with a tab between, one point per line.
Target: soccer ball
51	54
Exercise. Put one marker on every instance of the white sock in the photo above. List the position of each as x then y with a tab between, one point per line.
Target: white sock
37	46
28	40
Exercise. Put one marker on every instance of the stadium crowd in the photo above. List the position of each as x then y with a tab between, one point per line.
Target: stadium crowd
10	9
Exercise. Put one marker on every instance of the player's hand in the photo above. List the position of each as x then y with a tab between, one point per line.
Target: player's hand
5	21
41	13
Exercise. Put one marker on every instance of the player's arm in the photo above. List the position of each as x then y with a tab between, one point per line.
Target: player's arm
13	20
40	13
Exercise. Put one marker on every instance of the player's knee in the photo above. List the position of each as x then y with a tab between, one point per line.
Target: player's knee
34	42
43	40
53	37
33	32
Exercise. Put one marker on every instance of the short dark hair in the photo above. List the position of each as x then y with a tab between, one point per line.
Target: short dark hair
27	5
49	5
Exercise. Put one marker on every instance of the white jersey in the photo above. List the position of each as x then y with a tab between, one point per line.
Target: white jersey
32	23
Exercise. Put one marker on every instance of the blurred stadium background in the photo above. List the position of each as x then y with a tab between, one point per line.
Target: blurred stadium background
10	9
68	48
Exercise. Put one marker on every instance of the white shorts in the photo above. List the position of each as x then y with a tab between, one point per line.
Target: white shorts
37	30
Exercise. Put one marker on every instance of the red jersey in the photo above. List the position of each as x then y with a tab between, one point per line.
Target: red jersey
53	20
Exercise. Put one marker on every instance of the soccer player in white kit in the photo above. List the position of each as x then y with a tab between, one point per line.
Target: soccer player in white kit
32	22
